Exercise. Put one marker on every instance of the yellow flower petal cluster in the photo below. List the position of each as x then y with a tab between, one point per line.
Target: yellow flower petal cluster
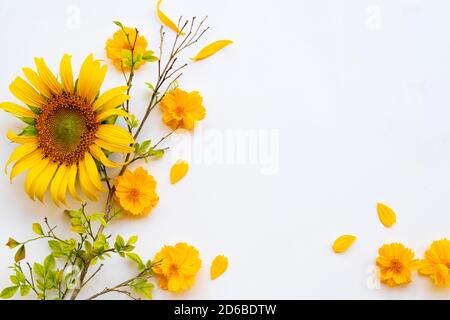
65	133
395	263
136	192
436	263
182	109
118	48
176	267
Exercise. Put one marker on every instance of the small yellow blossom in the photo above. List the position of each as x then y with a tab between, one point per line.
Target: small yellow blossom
395	263
436	263
218	266
176	267
135	192
182	109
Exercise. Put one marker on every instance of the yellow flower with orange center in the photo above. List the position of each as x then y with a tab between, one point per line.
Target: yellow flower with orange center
135	192
182	109
119	48
436	263
395	263
66	130
176	267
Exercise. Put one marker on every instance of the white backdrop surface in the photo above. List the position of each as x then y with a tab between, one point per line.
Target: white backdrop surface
349	102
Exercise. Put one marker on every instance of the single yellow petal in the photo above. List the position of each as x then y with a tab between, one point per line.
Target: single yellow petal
71	183
23	91
115	102
386	215
62	190
86	185
25	163
114	147
178	171
56	183
218	266
40	185
92	172
100	156
114	134
108	95
20	139
98	76
342	243
84	79
21	152
47	76
36	81
165	19
112	112
34	172
211	49
17	110
66	73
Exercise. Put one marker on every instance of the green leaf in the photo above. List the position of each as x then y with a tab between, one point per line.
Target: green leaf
120	241
12	243
24	290
158	153
37	228
20	254
9	292
150	86
28	131
132	240
77	229
135	257
29	121
14	280
127	54
119	24
39	269
49	263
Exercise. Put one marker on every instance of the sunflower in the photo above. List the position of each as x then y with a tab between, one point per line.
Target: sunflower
395	262
436	263
67	132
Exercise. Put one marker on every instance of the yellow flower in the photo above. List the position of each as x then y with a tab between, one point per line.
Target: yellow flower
395	263
66	129
436	264
182	109
176	267
135	192
218	266
118	49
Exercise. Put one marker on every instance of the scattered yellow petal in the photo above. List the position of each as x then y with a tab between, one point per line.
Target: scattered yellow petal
218	266
165	19
211	49
387	215
342	243
178	171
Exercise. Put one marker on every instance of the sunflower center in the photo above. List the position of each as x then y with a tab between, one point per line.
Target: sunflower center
396	266
66	128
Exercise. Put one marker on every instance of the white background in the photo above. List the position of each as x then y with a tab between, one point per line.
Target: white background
359	93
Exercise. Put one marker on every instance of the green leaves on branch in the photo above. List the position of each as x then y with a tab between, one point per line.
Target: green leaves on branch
12	243
145	150
142	286
121	247
132	122
20	254
37	228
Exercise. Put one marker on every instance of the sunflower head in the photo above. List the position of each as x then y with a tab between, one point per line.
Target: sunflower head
436	263
66	136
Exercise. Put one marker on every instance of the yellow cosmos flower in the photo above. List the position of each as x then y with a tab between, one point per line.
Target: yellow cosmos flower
66	130
182	109
177	267
395	263
118	49
436	264
135	192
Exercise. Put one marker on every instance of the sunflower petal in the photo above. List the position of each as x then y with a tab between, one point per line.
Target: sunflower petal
23	91
21	152
63	187
47	76
17	110
98	76
92	172
178	171
342	243
108	95
84	79
115	102
56	183
112	112
100	156
34	172
386	215
66	73
165	19
218	266
113	133
114	147
211	49
36	81
25	163
71	181
20	139
40	185
86	185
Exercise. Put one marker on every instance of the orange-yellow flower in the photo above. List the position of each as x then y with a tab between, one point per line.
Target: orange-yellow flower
182	109
395	263
135	192
176	267
118	49
436	263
